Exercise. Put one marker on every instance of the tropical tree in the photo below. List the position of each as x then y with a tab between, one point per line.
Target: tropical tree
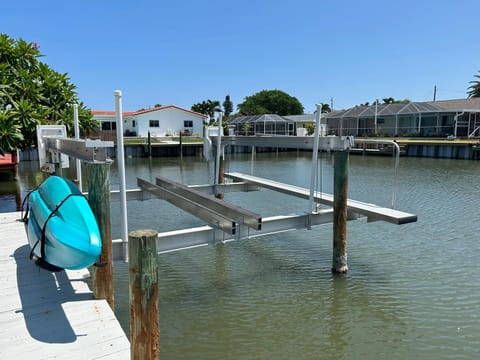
388	100
325	108
227	106
10	131
474	88
31	93
391	100
207	107
270	102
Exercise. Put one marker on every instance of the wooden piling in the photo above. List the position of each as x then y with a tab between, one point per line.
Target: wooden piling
149	145
221	175
99	198
181	146
143	294
340	192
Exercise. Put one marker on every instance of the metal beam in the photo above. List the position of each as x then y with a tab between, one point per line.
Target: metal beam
206	235
373	212
86	150
236	213
327	143
226	188
141	195
211	217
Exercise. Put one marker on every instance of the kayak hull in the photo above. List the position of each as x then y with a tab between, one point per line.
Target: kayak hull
72	237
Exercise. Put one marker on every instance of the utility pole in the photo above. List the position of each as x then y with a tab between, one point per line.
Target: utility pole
434	92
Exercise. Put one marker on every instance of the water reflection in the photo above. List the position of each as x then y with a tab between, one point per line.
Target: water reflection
10	192
405	295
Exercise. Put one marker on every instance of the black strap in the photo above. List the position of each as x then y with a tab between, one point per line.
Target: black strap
43	239
25	201
52	214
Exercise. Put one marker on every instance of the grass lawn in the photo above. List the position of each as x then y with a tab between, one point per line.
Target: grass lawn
143	141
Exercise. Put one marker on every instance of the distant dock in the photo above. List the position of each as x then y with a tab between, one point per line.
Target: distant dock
50	315
8	161
467	149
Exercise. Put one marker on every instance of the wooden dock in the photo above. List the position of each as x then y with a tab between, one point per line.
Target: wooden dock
45	315
8	161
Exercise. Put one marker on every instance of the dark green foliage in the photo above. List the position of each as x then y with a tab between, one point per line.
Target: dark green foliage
389	100
270	102
227	106
207	107
310	128
474	88
326	108
31	94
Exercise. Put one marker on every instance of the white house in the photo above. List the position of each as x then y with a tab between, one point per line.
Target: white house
161	121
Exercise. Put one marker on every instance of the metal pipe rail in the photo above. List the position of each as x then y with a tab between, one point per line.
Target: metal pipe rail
325	143
397	161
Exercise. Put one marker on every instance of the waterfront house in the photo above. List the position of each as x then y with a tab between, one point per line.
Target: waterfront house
170	120
459	117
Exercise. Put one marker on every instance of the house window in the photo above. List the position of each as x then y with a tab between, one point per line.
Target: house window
188	123
154	123
134	123
109	125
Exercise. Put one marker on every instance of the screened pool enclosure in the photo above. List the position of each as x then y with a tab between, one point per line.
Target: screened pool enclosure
407	119
267	124
459	117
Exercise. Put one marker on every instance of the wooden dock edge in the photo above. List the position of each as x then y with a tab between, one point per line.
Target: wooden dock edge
50	315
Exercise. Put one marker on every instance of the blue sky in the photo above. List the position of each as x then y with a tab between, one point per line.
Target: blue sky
182	52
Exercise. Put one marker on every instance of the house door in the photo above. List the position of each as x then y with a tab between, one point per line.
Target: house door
291	129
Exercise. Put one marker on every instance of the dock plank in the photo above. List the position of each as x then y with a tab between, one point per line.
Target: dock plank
48	315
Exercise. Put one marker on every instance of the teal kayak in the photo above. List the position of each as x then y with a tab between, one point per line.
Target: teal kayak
61	227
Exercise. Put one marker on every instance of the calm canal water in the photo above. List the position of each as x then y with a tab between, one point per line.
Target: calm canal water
412	291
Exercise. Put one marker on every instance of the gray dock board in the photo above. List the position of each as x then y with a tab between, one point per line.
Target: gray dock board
47	315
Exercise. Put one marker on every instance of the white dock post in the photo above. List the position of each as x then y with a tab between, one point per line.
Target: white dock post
121	171
313	175
78	162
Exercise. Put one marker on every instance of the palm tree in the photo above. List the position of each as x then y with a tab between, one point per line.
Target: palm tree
208	107
474	89
326	108
213	106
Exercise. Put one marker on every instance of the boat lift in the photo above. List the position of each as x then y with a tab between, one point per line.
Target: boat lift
228	222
